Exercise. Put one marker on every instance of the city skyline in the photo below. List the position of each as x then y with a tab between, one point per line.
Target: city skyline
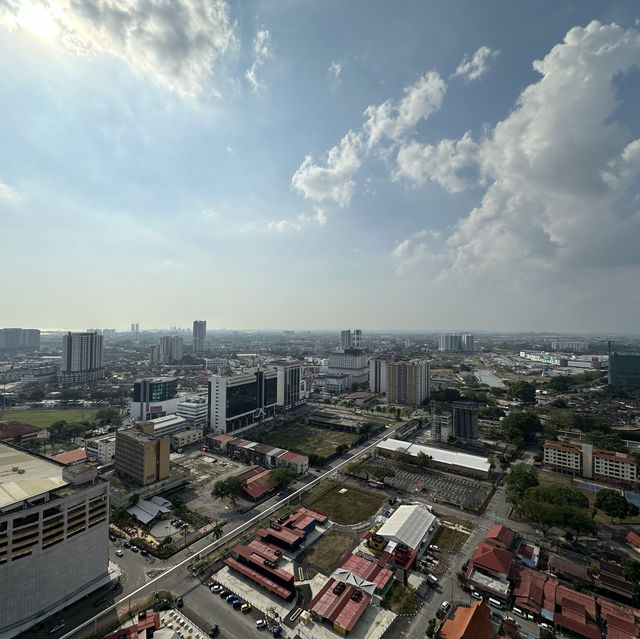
462	166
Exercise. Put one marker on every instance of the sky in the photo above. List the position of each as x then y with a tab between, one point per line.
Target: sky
276	164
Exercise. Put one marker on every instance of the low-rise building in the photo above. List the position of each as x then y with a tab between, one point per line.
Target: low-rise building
488	570
163	426
469	622
563	458
102	449
21	434
194	409
186	438
613	467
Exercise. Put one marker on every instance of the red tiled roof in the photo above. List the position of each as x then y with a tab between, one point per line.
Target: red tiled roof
366	569
587	629
71	456
351	612
500	536
259	485
289	456
468	623
288	535
265	550
221	438
633	538
587	601
491	559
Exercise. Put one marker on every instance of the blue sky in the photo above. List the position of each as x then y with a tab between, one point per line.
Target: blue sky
285	164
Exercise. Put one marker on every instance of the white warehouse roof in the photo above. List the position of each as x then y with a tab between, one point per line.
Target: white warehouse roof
408	525
451	457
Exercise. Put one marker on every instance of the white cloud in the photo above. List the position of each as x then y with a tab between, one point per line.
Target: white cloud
335	71
417	250
474	66
560	209
262	52
388	122
440	163
335	180
8	192
176	44
391	121
318	217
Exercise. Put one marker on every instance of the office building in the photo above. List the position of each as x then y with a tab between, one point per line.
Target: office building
161	426
441	426
54	546
195	409
288	376
102	449
351	338
465	420
456	343
351	362
171	349
624	369
81	358
199	335
154	354
237	402
142	458
154	398
408	382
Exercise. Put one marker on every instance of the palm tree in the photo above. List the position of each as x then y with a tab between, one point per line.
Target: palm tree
217	530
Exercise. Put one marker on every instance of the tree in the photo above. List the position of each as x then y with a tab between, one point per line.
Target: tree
380	472
578	520
520	427
431	628
523	390
217	531
491	412
106	416
230	488
446	395
544	515
546	634
423	460
519	480
558	495
342	449
282	478
614	504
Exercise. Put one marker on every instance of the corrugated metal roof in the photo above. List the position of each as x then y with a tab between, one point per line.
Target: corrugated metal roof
408	525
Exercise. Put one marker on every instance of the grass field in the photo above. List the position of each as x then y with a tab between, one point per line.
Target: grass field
449	539
400	600
351	507
307	439
328	549
45	417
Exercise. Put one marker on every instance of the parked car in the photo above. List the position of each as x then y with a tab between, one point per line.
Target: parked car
127	544
216	588
231	598
214	630
433	547
119	552
261	623
112	537
237	603
134	548
144	552
224	594
277	631
179	602
545	626
475	594
246	607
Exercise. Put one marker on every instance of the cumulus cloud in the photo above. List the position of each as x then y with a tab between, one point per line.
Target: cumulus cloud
441	163
560	173
318	217
384	127
419	249
262	52
7	192
176	44
474	66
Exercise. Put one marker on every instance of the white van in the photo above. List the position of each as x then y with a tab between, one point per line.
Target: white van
517	611
495	603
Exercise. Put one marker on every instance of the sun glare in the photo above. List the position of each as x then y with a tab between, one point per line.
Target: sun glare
37	19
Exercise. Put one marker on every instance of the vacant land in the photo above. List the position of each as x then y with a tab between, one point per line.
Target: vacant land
328	549
45	417
400	600
307	439
350	507
449	539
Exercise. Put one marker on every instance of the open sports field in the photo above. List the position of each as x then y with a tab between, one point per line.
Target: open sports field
45	417
349	507
307	439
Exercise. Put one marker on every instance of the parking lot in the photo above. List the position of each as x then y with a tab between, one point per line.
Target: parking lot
438	486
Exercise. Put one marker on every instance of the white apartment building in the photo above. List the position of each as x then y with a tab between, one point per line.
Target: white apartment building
613	467
289	375
563	458
81	358
194	409
102	448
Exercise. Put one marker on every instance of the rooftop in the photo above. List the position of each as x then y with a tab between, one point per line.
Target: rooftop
491	559
408	525
70	457
469	623
9	430
500	536
23	476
